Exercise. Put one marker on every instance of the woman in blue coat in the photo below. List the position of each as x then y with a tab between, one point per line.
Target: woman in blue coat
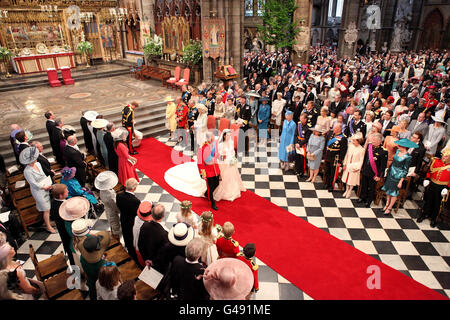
286	140
74	187
263	120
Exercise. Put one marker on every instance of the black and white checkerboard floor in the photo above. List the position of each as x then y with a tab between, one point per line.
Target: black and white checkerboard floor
397	240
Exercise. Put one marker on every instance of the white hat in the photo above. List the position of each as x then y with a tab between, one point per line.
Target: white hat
438	119
119	133
74	208
106	180
180	234
28	155
90	115
169	99
80	227
99	123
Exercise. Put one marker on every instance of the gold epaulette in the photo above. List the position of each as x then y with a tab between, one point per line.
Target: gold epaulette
236	244
240	254
220	236
384	148
254	265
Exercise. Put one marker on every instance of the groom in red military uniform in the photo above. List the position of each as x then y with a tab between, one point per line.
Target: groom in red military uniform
207	165
439	174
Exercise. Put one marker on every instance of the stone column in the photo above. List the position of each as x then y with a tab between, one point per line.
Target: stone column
207	68
350	14
303	17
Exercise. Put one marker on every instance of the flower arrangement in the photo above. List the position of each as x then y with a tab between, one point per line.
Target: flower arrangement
153	48
5	54
193	53
85	48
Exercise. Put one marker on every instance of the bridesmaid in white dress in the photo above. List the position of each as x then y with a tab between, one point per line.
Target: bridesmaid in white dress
231	186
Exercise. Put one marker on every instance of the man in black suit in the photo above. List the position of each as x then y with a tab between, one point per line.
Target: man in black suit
417	155
45	164
153	236
50	123
387	124
296	107
375	97
184	273
309	95
370	178
301	139
55	140
355	125
21	137
336	148
75	158
113	160
86	134
128	205
337	106
60	193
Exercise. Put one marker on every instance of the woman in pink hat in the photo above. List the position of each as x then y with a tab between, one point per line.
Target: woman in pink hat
228	279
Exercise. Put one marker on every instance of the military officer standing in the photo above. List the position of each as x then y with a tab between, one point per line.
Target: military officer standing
301	138
312	114
210	103
244	112
439	174
334	155
246	256
128	123
191	117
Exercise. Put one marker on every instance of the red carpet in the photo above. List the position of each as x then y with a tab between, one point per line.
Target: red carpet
319	264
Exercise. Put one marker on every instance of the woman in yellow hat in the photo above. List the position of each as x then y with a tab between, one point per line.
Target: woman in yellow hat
171	121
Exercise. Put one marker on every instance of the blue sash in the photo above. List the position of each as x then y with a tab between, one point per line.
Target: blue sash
300	134
351	127
211	155
331	141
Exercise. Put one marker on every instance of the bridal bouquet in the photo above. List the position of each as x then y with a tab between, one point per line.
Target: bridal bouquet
231	161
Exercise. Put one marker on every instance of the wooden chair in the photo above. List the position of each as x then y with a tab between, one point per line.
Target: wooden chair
171	82
211	122
185	80
74	294
224	123
235	134
136	68
28	217
48	267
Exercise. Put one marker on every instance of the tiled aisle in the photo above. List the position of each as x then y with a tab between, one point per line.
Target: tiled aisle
397	240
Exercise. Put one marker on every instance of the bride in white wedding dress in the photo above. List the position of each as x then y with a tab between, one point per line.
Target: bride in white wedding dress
186	178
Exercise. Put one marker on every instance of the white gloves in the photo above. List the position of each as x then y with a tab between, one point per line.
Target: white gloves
444	192
426	183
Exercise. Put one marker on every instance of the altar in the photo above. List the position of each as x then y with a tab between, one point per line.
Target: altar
40	63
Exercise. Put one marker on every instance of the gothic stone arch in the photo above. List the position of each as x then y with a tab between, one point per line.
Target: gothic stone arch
432	33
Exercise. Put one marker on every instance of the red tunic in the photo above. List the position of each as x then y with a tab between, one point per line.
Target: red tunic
439	172
182	112
126	169
206	162
227	248
253	266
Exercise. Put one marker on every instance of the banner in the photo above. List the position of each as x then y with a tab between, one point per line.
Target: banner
213	38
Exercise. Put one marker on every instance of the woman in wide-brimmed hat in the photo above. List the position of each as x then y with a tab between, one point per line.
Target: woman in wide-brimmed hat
397	172
40	184
228	279
70	210
434	135
171	114
105	183
126	162
92	249
314	151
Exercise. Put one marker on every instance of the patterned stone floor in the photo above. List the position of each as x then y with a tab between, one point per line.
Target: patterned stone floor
26	106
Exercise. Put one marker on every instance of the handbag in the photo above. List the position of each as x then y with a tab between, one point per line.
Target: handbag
311	156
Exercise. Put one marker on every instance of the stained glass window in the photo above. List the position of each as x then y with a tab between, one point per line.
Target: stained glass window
260	8
248	11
